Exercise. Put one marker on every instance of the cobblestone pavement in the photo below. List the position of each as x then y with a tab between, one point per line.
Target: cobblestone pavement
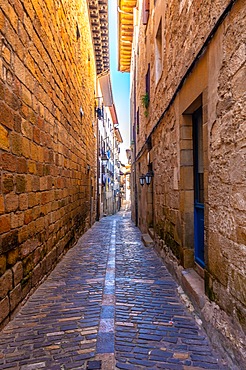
109	304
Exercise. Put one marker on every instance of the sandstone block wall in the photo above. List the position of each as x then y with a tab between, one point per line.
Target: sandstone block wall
47	148
211	74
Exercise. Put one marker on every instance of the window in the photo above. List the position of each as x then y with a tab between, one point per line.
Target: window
145	11
138	121
145	98
158	52
147	81
78	34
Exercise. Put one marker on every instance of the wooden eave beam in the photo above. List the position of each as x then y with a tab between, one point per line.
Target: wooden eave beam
98	11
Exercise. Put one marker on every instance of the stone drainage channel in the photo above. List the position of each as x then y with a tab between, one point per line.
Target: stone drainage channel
105	358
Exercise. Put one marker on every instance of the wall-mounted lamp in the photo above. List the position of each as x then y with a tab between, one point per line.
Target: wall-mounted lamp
142	180
148	177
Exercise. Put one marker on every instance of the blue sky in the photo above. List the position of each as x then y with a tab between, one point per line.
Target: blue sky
120	81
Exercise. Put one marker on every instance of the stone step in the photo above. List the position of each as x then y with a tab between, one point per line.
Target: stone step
193	285
151	233
147	240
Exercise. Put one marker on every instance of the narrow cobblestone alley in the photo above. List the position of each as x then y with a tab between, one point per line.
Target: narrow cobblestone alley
109	304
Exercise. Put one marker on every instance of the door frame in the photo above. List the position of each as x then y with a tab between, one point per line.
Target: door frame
186	182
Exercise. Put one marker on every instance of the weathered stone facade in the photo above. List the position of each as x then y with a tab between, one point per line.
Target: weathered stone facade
189	56
47	139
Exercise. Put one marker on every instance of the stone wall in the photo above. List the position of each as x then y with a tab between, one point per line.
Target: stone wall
202	64
226	218
47	148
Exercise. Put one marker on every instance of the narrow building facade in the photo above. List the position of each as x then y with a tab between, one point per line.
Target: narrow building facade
109	140
188	152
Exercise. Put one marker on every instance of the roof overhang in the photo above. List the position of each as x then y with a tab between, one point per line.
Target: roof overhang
125	32
98	11
118	135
